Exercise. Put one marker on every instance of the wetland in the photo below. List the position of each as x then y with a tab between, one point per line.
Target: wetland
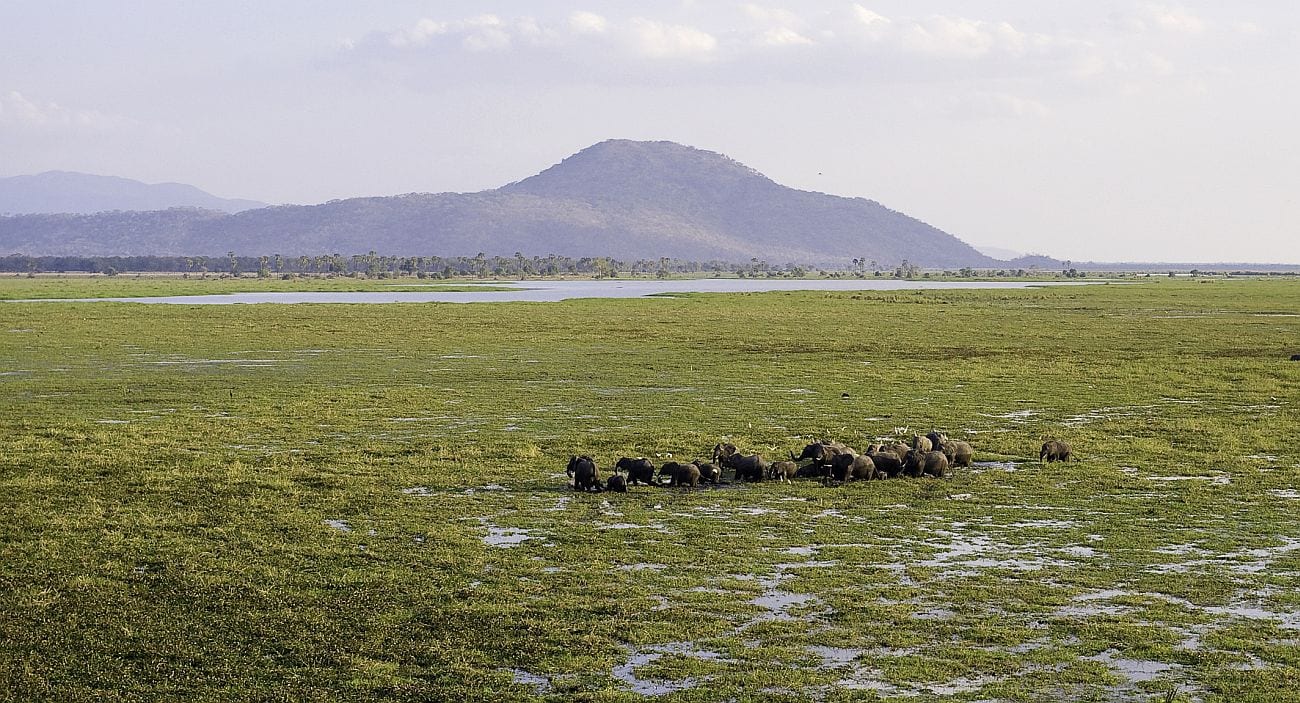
368	502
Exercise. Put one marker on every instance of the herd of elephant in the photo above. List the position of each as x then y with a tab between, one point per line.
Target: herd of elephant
829	461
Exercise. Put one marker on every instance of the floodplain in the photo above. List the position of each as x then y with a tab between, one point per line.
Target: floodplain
368	502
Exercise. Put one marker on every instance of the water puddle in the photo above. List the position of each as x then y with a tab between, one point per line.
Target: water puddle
505	537
340	525
1217	479
982	466
626	673
1134	670
835	657
540	684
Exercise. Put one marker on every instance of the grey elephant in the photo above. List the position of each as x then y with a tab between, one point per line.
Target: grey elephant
585	475
922	444
959	453
722	451
845	468
783	471
680	474
616	484
888	465
1055	450
927	464
709	473
639	470
747	468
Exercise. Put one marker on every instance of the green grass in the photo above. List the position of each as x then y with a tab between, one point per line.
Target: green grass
167	474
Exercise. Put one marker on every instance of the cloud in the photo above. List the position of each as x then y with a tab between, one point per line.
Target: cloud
587	23
783	36
659	40
19	111
1175	19
996	105
1156	18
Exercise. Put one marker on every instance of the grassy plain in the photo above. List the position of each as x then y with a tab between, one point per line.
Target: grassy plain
368	503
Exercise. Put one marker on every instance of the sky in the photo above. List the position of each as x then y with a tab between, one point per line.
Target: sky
1103	130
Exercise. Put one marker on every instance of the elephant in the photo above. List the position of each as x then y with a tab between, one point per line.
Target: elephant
1054	450
936	438
746	468
783	471
585	475
1295	357
959	453
846	467
680	474
813	471
710	473
922	444
927	464
639	470
822	453
616	484
899	449
888	465
722	451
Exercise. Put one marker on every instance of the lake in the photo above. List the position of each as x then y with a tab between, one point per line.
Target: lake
552	291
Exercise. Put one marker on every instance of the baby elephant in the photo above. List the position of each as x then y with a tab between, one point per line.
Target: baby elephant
616	484
783	471
638	470
681	474
1054	450
709	473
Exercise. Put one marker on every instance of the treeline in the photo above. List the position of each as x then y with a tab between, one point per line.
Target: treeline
373	265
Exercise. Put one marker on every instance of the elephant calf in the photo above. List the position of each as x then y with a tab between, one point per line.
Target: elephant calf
783	471
709	473
616	484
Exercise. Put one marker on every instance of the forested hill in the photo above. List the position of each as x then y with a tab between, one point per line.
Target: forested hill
624	199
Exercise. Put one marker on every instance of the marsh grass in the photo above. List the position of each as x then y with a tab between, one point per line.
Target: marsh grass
294	502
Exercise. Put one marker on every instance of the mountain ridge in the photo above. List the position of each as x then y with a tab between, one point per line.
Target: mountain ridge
73	192
621	198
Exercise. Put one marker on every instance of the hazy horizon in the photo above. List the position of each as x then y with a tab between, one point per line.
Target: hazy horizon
1134	131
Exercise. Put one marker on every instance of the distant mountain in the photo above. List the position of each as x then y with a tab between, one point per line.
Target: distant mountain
625	199
83	193
997	252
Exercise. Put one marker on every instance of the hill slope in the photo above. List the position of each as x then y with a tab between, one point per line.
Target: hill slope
83	193
624	199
